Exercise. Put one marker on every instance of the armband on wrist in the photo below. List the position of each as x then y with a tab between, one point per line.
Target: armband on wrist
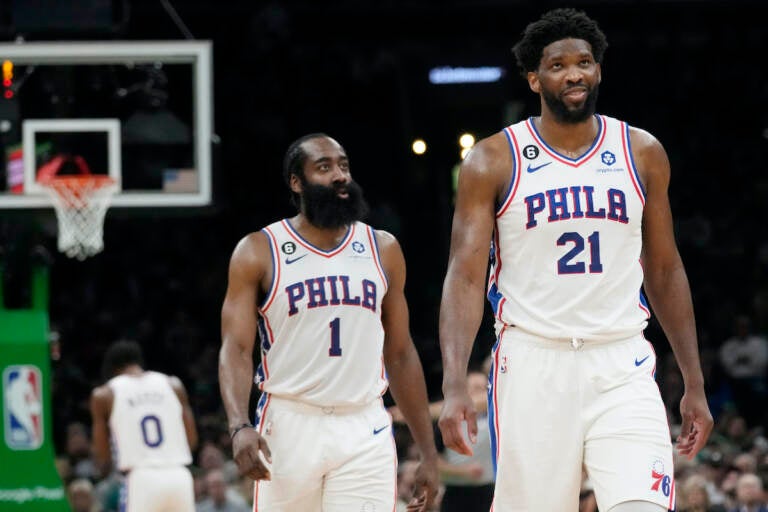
239	428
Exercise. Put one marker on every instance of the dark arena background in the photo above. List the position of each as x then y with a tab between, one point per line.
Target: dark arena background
693	73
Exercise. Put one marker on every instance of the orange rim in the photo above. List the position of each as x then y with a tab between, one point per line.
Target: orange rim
75	190
76	181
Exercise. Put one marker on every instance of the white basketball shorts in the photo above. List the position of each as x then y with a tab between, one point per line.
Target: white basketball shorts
329	459
158	489
557	406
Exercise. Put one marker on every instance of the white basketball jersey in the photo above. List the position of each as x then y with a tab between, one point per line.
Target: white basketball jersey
146	423
565	258
320	323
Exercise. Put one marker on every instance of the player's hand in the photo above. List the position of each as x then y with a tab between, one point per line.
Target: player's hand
248	446
425	486
457	409
697	422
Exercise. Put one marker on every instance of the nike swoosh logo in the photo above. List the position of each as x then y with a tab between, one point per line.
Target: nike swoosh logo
638	363
379	430
288	261
534	169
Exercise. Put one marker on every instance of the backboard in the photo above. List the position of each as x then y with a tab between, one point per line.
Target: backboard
138	111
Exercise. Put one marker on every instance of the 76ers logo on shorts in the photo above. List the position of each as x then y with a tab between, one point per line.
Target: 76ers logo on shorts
660	481
23	407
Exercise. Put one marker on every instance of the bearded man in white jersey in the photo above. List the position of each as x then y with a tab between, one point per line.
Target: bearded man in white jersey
325	294
574	207
145	418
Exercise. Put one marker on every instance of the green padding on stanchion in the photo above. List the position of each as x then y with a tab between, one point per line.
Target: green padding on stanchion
28	477
24	327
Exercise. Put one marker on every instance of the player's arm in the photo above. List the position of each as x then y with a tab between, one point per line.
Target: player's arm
404	370
248	265
463	299
186	411
666	285
101	409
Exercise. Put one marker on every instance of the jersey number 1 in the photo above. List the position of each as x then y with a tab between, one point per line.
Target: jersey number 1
335	348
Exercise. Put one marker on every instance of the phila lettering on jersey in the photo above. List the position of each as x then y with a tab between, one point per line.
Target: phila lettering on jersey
146	423
320	323
565	257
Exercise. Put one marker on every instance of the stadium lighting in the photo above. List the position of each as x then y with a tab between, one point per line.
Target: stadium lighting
465	75
419	147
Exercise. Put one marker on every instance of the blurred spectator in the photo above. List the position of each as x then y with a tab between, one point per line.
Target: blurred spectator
211	456
750	496
78	446
244	486
693	496
198	480
220	496
744	357
81	496
107	491
732	435
728	487
63	468
745	463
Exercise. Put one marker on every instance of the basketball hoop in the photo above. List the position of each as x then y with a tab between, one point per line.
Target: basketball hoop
81	202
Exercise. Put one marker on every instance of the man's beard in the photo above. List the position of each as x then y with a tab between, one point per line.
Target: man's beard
563	114
325	209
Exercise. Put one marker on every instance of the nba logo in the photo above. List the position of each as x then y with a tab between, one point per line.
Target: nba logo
23	407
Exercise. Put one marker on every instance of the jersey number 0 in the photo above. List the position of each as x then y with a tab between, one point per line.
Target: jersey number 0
151	431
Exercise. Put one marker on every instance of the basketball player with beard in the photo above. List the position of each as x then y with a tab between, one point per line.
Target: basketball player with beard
575	209
325	293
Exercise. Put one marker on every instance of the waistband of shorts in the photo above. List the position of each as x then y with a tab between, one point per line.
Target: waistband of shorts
517	335
323	410
151	469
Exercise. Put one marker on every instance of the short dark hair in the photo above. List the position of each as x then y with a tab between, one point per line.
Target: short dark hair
120	354
554	25
293	162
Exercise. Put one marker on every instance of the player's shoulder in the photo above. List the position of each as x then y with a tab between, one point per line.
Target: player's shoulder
252	246
488	151
649	156
101	390
102	393
648	152
176	383
384	238
388	246
488	165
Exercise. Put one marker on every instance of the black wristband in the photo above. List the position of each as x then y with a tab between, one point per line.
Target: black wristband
239	428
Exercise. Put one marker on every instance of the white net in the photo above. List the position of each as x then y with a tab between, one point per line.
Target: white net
81	202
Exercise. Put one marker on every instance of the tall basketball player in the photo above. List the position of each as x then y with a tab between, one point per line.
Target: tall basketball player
325	292
146	418
575	210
